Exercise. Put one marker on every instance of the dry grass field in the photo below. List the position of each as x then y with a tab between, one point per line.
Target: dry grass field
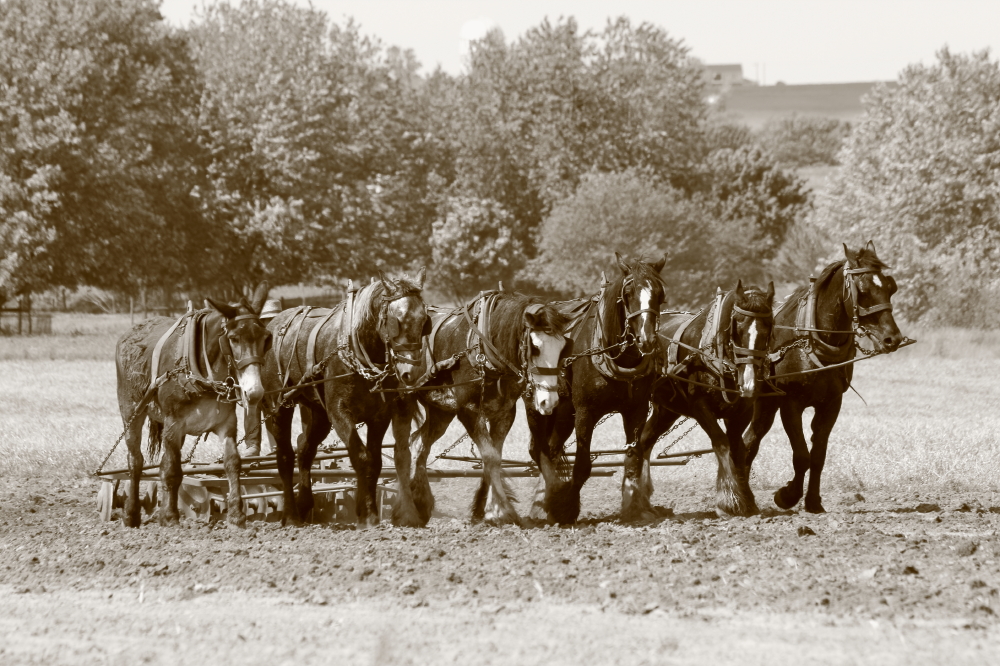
903	570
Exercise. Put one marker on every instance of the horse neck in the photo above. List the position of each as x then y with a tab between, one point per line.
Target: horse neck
832	310
366	333
210	343
614	324
506	328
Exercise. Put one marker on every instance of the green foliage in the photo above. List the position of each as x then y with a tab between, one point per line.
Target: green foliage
921	176
636	214
474	246
801	141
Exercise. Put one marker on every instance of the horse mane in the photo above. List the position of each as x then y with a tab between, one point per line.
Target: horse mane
613	320
507	321
754	299
368	301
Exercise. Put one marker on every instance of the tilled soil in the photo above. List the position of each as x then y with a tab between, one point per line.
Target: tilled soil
886	579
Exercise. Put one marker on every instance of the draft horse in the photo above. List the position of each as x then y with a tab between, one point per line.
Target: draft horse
714	365
495	349
185	376
341	366
814	344
611	368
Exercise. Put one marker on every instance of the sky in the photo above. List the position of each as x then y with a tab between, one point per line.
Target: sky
791	41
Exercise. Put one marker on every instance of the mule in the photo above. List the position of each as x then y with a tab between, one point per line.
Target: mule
817	327
496	349
611	368
714	366
182	375
370	343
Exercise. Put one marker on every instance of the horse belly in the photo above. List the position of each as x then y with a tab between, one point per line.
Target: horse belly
205	415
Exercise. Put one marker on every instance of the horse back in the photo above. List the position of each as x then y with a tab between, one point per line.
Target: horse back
134	357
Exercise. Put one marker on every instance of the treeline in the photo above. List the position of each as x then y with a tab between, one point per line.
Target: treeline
265	142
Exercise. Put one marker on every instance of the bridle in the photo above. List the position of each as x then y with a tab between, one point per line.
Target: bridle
851	288
530	369
627	282
746	355
388	327
227	348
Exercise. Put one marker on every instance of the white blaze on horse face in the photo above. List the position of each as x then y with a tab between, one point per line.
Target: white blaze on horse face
645	303
876	280
749	372
546	386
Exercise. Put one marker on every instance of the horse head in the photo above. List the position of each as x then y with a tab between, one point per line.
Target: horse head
868	292
642	295
750	334
546	347
247	340
402	325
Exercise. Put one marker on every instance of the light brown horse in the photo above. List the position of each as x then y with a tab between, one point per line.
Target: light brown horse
185	376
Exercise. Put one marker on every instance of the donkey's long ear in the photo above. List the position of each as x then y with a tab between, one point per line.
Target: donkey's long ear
852	257
259	296
420	277
621	264
770	292
871	247
658	266
739	289
226	310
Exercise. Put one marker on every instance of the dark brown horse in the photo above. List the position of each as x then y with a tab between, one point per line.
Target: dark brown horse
183	376
372	341
611	369
817	327
714	365
494	350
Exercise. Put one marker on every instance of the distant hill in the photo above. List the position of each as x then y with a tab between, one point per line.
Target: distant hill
755	105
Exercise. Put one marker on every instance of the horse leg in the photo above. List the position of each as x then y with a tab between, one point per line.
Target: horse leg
279	427
791	419
369	497
316	426
170	473
499	425
495	503
432	430
540	430
822	424
252	429
404	510
730	494
235	515
735	427
637	486
561	504
764	410
133	440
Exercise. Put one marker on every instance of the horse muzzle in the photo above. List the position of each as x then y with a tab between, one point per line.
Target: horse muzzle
250	384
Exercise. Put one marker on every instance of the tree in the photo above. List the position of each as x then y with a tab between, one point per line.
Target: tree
634	213
95	166
921	176
474	246
800	141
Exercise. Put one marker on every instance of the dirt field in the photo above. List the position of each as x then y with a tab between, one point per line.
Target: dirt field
905	567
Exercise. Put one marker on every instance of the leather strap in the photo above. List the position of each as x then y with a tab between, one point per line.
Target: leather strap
154	367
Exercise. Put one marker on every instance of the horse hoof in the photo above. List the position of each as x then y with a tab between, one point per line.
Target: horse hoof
783	500
239	522
169	520
563	505
814	507
407	519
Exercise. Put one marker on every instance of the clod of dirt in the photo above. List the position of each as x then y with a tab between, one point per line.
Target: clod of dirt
805	530
409	587
966	548
204	589
925	507
317	599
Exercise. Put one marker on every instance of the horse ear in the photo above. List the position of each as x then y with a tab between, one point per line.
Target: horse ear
226	310
871	247
852	257
533	316
658	266
386	283
420	277
259	296
621	264
739	288
770	292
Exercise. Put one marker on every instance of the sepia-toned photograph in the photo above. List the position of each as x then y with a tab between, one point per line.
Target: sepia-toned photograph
404	332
